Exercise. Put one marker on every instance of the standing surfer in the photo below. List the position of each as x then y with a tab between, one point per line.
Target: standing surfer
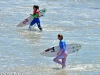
62	54
36	15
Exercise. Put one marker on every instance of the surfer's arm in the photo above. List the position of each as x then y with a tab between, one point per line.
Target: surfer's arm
47	50
60	51
34	15
61	48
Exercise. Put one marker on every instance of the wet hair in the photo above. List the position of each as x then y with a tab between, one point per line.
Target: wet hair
61	36
36	6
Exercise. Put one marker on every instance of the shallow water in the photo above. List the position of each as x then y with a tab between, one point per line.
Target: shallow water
20	49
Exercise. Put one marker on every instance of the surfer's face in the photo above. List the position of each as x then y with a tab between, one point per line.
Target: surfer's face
59	38
34	8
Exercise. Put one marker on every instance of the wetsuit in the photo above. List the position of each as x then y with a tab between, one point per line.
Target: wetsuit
36	19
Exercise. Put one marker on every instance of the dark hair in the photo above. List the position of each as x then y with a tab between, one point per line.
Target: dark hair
36	6
61	36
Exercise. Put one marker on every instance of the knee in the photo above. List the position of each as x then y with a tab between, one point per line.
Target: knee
54	59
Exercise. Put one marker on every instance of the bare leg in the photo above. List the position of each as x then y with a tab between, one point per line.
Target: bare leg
63	62
57	59
63	57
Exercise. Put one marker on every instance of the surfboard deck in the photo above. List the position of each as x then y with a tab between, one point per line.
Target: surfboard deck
30	18
52	52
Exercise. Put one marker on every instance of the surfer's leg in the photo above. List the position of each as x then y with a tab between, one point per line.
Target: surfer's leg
31	24
38	24
64	60
57	59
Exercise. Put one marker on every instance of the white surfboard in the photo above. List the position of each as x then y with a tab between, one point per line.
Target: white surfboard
52	52
30	18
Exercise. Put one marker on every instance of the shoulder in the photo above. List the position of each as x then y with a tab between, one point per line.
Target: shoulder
37	11
62	41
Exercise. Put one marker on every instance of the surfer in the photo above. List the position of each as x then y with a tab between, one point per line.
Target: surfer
62	54
36	15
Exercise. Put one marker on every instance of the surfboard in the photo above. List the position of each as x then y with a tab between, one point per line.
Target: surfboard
52	51
28	20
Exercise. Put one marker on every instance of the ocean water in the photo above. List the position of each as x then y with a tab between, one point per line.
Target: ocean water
77	20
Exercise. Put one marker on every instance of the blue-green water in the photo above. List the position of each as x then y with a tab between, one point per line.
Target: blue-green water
77	20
